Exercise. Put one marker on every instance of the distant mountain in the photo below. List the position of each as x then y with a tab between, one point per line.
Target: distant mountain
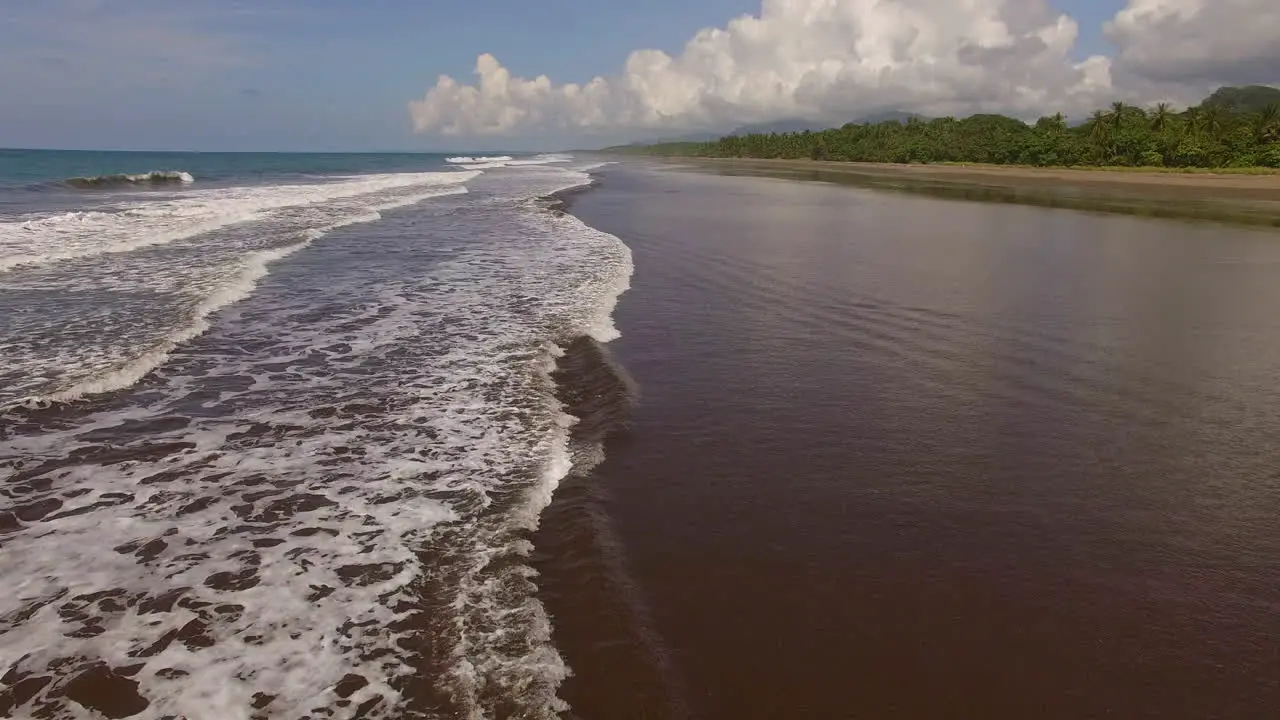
797	125
1250	98
689	138
778	126
889	116
1246	99
791	125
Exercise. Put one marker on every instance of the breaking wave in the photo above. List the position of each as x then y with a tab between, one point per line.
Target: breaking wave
155	177
217	250
502	161
476	160
254	268
132	225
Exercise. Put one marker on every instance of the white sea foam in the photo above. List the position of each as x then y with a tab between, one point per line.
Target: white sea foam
252	268
485	165
544	159
502	161
159	176
255	267
476	160
337	467
138	224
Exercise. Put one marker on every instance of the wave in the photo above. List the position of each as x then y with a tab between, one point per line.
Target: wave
485	166
387	442
494	634
476	160
501	161
155	177
132	226
254	267
544	159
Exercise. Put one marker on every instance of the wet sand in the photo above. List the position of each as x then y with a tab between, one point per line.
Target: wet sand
1239	198
879	455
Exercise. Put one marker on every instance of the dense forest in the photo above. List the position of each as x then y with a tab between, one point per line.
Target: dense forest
1233	128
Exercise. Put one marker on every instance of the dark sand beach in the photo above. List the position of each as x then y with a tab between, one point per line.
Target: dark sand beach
1230	197
884	455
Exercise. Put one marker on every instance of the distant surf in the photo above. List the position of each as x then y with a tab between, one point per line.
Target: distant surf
44	238
475	160
501	161
155	177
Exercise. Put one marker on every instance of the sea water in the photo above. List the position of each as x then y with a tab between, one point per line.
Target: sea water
274	429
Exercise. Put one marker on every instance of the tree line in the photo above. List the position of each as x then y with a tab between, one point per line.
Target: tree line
1233	128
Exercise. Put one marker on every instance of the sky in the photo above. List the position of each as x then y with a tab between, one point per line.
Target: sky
458	75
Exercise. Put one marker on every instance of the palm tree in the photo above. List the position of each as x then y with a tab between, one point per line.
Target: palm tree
1213	120
1099	128
1194	121
1118	111
1051	124
1100	133
1160	117
1266	124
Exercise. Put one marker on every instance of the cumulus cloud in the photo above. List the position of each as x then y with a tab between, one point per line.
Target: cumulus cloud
816	59
1198	42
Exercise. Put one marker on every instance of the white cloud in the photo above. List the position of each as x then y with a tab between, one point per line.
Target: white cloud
818	59
1198	43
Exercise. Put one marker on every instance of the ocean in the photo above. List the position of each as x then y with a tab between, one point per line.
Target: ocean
417	436
275	428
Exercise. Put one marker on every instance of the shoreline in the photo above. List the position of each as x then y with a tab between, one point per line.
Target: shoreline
560	202
599	616
1233	198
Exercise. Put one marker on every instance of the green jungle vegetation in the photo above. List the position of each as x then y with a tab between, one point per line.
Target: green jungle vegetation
1235	127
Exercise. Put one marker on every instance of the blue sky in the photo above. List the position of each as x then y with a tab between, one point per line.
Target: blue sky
320	74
